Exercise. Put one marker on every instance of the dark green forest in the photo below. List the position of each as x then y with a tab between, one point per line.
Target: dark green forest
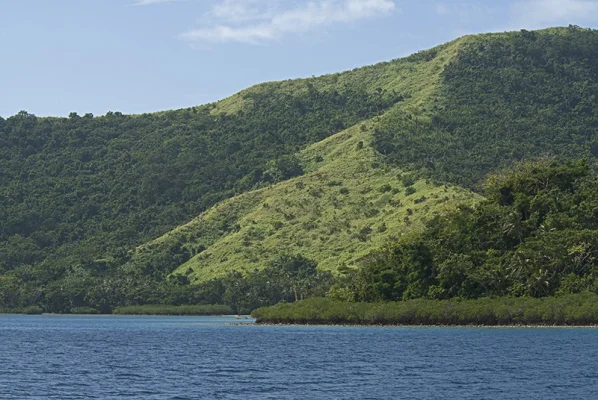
503	99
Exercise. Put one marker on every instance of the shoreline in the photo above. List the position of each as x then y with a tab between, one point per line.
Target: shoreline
579	310
129	315
246	320
364	325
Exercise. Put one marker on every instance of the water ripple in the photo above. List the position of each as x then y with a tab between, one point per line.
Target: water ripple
71	358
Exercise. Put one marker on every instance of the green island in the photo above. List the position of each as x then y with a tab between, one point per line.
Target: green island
454	186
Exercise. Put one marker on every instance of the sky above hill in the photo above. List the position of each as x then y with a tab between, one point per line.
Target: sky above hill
139	56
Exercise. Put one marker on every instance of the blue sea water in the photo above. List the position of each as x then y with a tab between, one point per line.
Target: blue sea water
109	357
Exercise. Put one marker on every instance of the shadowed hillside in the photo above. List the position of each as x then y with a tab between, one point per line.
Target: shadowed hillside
504	98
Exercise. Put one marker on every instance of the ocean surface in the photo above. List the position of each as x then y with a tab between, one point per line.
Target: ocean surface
110	357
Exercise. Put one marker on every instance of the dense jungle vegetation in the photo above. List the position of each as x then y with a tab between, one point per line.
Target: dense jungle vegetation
536	235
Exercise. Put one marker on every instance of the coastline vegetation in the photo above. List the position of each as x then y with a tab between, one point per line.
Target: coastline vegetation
30	310
572	310
161	309
146	309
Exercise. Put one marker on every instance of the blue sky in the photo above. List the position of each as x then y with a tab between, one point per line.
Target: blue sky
139	56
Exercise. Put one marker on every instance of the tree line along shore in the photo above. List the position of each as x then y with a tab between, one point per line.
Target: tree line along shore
572	310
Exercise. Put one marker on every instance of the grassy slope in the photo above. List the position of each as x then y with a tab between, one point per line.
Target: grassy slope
337	212
417	77
310	214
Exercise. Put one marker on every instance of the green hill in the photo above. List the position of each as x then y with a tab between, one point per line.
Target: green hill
102	210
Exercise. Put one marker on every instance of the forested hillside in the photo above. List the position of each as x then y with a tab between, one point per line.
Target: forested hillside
100	211
526	255
81	191
109	182
536	235
505	97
